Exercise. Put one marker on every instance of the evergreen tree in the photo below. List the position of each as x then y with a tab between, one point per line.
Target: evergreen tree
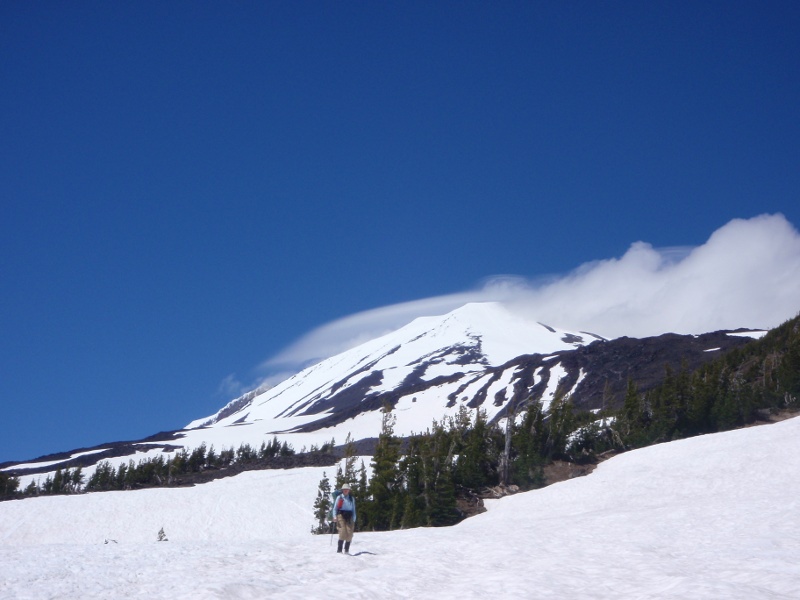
526	447
103	477
197	459
476	457
348	474
76	480
212	458
411	471
273	448
635	417
226	457
382	508
57	483
363	486
559	425
701	401
443	510
245	454
437	451
8	486
122	472
286	449
322	505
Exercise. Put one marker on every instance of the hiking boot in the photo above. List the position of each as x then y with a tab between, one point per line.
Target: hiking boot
340	545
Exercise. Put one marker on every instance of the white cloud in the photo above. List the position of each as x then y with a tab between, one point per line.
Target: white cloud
356	329
746	275
231	387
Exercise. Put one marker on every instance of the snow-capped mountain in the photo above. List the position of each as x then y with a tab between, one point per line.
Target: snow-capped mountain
481	356
436	362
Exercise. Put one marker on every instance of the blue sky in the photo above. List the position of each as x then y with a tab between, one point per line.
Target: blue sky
187	188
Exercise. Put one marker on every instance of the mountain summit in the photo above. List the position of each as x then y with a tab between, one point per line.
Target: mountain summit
433	361
481	356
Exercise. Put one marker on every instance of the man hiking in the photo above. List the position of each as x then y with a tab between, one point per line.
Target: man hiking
344	512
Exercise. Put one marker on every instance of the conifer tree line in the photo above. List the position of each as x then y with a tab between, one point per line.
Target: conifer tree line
737	389
152	472
419	486
68	481
161	471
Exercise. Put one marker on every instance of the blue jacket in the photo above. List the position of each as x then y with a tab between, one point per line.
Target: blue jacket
344	502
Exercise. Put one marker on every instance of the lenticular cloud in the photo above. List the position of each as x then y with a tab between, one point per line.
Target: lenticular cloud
746	275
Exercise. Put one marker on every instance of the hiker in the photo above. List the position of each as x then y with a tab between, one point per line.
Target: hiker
344	512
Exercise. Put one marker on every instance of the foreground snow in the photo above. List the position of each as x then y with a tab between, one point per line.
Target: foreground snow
710	517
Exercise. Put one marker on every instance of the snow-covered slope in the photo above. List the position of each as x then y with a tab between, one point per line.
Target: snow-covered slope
424	370
709	517
430	349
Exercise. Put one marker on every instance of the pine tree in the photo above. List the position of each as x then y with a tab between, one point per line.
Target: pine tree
698	411
322	505
211	458
381	508
197	459
102	478
437	451
505	462
77	480
348	474
526	445
339	480
443	505
8	486
57	485
411	470
635	417
474	466
286	449
428	494
363	486
559	425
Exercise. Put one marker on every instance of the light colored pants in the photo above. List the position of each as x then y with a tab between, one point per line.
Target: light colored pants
346	528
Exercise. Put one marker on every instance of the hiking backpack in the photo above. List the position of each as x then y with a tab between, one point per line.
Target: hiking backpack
334	497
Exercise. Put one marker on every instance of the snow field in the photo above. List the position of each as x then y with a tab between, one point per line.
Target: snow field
709	517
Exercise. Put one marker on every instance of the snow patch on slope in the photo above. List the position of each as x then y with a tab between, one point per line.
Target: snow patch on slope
674	520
